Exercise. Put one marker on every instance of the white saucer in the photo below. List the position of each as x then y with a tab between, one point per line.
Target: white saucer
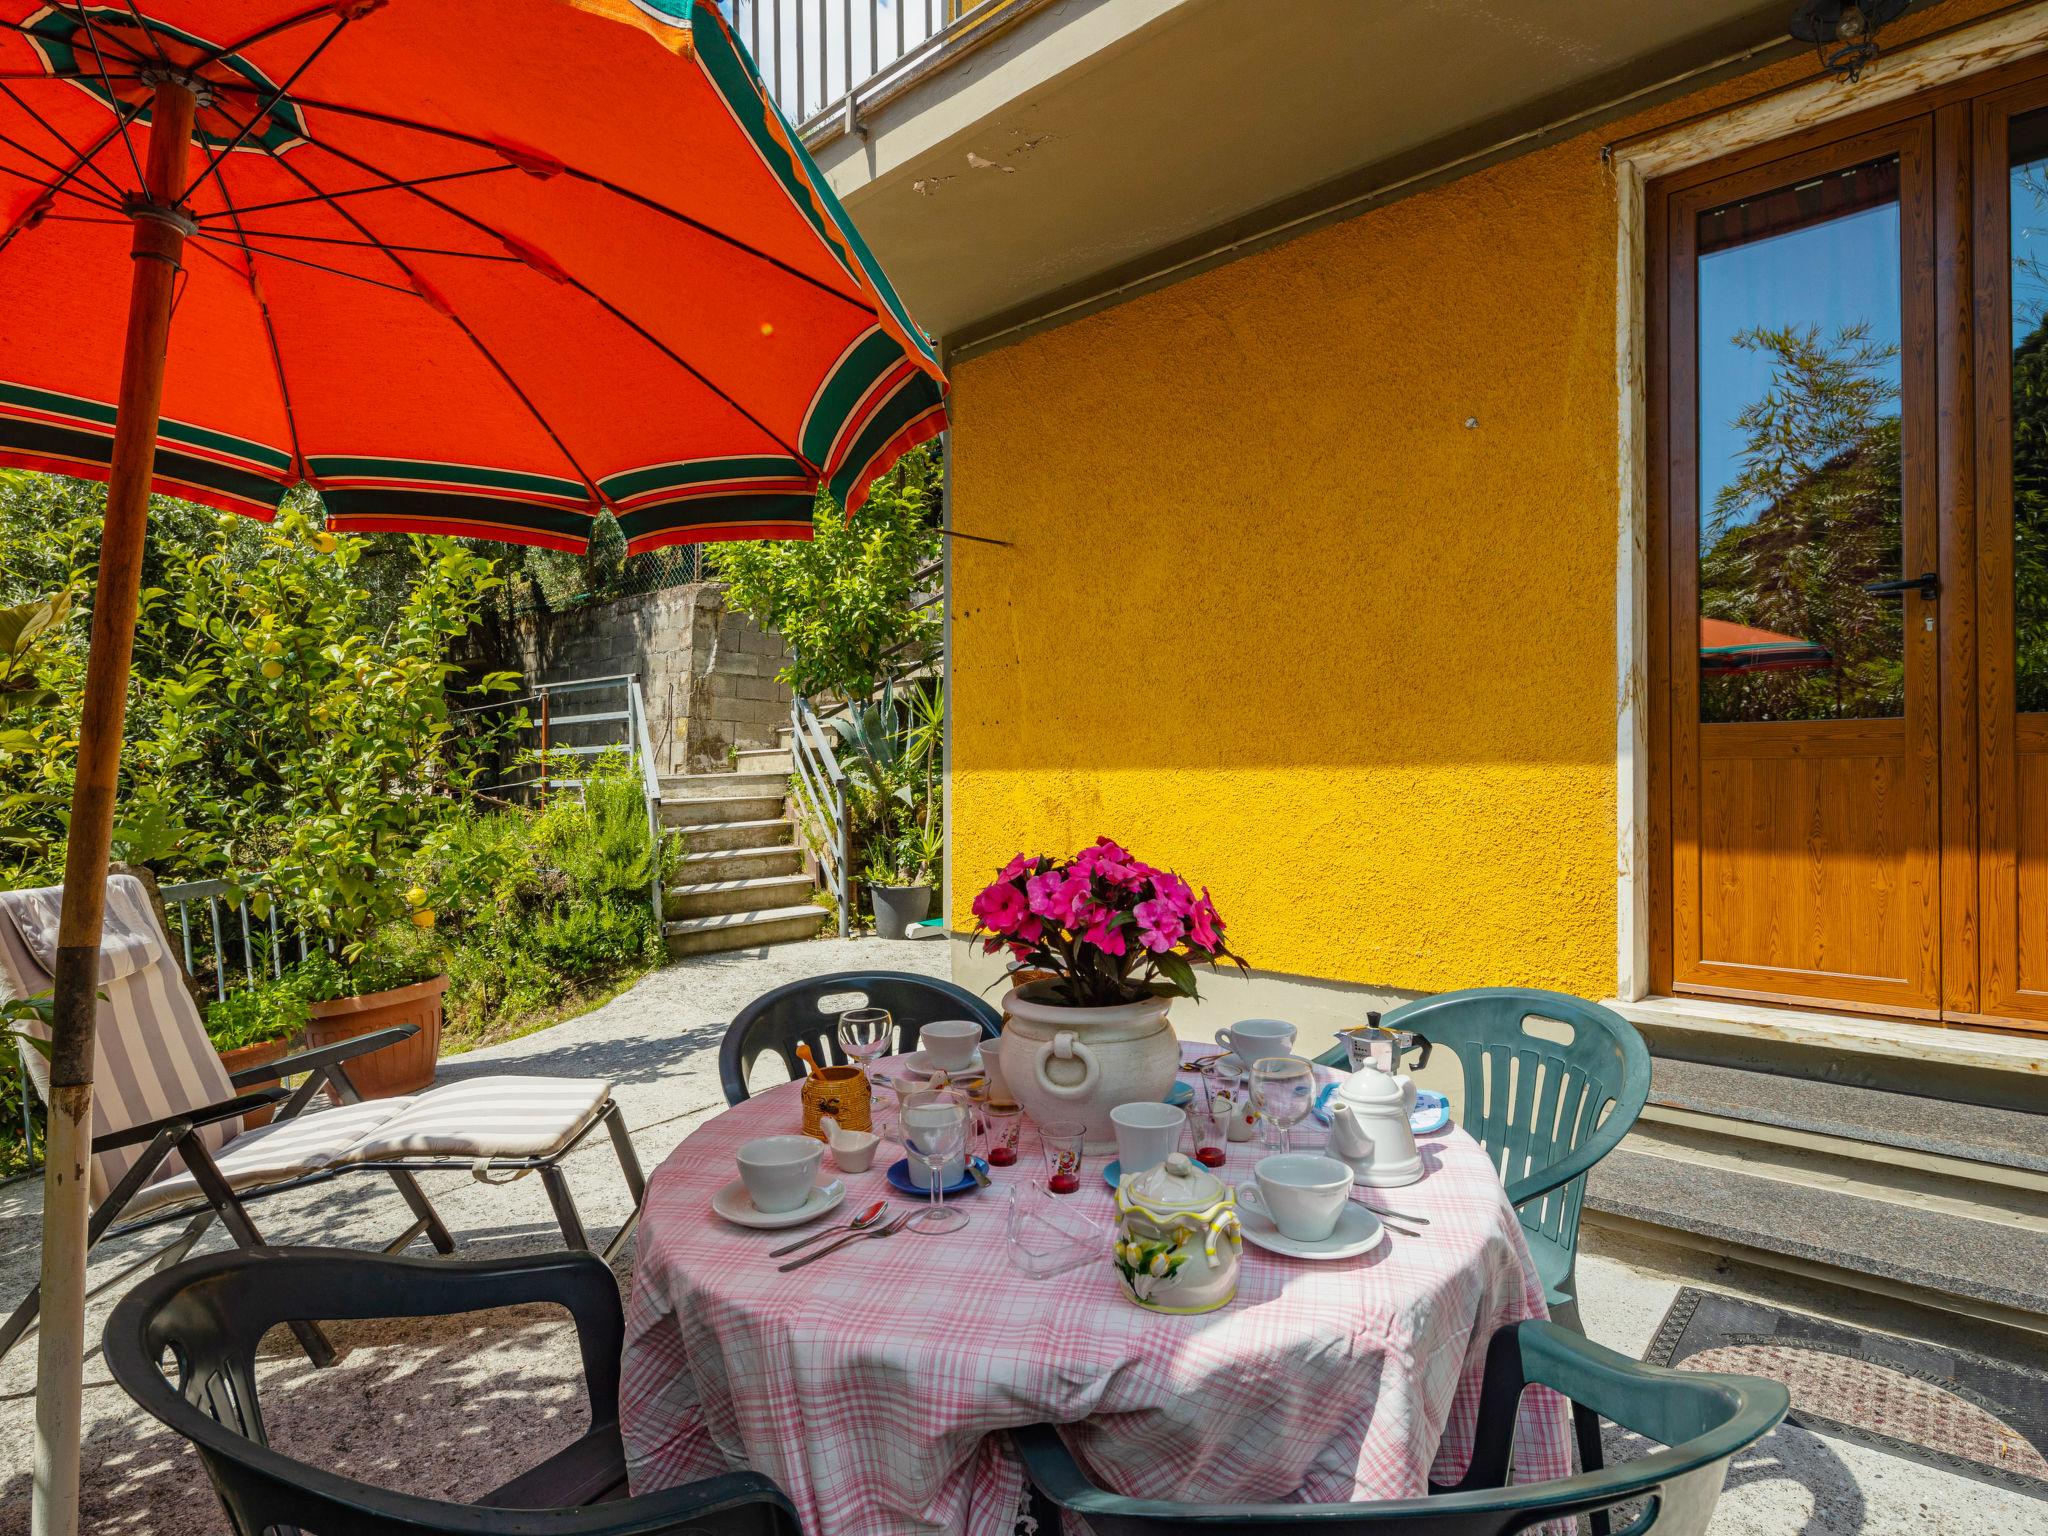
923	1065
737	1206
1358	1231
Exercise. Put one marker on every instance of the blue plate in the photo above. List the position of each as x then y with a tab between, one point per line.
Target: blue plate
1432	1112
899	1176
1180	1093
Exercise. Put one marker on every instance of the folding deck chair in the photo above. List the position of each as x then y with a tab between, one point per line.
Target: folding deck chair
168	1141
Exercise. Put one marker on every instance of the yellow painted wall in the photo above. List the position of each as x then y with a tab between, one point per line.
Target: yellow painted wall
1310	586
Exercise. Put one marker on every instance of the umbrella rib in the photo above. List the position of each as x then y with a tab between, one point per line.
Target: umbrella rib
389	186
61	184
274	29
367	114
52	130
460	324
213	165
84	197
50	165
300	261
374	245
606	305
291	420
78	16
92	36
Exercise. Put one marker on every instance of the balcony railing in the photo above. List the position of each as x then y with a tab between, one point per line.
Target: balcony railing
824	61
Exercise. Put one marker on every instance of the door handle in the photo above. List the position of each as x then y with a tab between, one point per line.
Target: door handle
1928	584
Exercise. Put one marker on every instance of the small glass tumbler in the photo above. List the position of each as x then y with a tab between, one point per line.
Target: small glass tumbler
1063	1140
1207	1130
1005	1129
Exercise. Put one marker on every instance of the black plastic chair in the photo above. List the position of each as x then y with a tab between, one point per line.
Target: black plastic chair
206	1317
776	1021
1701	1421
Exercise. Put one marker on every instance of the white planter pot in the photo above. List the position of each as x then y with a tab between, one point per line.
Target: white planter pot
1080	1063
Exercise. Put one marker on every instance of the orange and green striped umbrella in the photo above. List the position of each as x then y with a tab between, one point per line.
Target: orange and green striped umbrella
465	266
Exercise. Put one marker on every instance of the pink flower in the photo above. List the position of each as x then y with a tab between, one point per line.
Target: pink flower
1059	896
1104	937
1204	926
1001	907
1173	890
1159	926
1023	864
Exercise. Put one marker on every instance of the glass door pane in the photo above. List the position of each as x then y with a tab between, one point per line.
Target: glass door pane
2028	189
1800	497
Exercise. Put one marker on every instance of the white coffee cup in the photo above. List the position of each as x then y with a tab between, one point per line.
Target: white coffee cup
778	1171
1249	1039
949	1043
1146	1134
1303	1192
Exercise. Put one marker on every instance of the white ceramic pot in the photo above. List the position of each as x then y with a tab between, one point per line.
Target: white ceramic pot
1078	1064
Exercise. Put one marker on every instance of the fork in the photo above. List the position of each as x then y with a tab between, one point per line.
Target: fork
852	1237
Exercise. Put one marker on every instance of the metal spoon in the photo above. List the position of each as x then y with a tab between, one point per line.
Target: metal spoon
865	1219
890	1230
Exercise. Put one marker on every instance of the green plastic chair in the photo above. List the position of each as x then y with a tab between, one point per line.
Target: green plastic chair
1700	1420
1545	1112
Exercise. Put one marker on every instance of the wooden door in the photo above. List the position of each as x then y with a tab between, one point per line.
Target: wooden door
2011	195
1800	500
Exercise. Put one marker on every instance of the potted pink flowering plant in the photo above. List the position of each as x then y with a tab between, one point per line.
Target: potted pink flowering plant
1120	940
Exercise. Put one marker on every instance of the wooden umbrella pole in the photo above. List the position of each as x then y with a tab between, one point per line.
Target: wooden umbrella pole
60	1358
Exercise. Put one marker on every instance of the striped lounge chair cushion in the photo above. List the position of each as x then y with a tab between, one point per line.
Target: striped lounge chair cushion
488	1117
271	1154
154	1057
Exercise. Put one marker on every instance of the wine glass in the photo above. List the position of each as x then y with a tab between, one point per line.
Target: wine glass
864	1034
934	1133
1284	1088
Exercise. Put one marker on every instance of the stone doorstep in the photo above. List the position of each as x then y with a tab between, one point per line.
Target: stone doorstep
732	836
1862	1034
720	810
752	893
1971	1133
740	863
1984	1268
726	784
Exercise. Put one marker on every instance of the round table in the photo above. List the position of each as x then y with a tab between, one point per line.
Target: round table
872	1385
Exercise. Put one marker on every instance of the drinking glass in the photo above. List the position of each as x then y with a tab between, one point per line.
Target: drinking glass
934	1133
1005	1129
1208	1129
864	1034
1062	1139
1284	1088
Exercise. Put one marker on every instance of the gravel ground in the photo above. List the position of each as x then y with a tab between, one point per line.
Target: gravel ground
455	1407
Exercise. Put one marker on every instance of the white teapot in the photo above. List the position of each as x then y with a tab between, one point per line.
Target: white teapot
1370	1130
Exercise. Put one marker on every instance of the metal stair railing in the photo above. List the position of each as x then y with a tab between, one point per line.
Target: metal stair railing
635	738
818	786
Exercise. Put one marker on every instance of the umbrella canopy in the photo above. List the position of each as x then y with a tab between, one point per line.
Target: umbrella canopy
467	266
475	266
1727	647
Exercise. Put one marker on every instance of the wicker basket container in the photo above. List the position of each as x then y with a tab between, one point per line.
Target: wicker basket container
842	1093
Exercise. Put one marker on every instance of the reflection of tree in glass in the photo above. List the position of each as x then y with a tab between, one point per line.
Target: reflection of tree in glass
1810	516
2030	521
2029	271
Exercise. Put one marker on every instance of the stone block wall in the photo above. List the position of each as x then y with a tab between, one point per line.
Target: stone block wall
706	671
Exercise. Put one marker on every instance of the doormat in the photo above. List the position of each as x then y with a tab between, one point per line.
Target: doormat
1963	1413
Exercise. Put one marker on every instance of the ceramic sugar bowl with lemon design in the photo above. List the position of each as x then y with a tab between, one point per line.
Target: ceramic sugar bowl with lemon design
1178	1242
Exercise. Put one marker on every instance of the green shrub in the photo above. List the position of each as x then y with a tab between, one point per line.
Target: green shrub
395	955
275	1011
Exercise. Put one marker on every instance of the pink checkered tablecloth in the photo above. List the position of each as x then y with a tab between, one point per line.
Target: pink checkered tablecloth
872	1385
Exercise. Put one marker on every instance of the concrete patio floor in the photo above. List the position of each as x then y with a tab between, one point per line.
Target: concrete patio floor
491	1393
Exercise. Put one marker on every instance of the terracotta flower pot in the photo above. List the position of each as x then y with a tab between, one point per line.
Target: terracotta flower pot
242	1058
406	1067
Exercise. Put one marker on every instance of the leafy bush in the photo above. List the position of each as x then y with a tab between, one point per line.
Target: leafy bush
844	598
275	1011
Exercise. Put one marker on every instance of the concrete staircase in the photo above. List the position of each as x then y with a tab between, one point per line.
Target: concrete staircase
743	882
1893	1169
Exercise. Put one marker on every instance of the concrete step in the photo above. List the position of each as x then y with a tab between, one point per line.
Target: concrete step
709	898
745	785
742	930
729	836
710	810
1989	1268
739	863
775	760
1765	1106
